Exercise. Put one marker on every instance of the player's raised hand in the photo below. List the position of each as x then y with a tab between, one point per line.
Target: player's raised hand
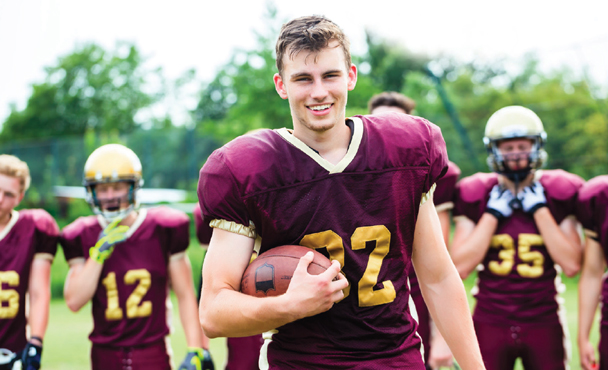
197	359
108	238
533	198
499	204
314	294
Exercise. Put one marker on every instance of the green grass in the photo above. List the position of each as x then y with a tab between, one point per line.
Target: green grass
66	345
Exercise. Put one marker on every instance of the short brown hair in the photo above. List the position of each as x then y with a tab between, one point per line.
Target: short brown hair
311	33
391	99
14	167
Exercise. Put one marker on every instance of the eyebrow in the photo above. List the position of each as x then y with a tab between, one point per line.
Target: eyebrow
306	74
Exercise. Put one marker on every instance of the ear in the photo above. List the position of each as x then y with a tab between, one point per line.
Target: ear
280	86
352	77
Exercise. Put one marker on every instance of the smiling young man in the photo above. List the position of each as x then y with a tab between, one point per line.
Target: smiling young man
518	225
358	190
28	242
124	260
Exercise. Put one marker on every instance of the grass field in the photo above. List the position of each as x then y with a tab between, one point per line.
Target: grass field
66	345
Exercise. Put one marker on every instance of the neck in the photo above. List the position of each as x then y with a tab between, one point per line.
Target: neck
5	218
512	186
331	144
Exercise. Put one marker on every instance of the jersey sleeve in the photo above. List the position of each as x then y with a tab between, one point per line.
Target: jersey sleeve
592	204
220	197
444	193
176	224
70	240
47	234
203	230
471	195
438	165
561	189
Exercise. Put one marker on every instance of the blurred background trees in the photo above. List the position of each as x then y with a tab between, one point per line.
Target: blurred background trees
93	96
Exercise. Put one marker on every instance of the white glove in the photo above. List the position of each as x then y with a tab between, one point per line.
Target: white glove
499	204
533	198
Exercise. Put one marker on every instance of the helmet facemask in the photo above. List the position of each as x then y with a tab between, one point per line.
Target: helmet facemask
497	161
110	209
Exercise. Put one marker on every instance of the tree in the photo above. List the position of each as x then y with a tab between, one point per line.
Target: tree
88	90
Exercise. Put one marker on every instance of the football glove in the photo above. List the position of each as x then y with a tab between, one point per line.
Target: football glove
30	357
197	359
533	198
499	204
108	238
7	359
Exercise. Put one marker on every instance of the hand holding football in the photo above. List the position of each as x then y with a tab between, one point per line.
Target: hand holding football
270	273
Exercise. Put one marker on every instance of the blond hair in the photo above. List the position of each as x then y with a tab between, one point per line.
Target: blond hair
14	167
312	33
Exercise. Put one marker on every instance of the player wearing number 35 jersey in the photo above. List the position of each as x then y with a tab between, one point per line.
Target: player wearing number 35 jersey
518	225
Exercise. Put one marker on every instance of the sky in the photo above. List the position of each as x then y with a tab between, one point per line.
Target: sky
181	34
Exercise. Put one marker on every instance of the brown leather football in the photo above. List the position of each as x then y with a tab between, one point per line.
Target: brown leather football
270	273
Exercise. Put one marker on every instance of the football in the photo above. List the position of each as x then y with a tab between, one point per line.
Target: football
270	273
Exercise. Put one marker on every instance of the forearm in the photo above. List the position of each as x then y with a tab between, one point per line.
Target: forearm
81	284
589	291
447	303
39	296
469	251
234	314
561	248
181	282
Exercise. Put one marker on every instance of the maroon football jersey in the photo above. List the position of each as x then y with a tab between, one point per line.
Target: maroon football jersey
203	230
130	303
443	199
592	212
518	280
30	233
361	212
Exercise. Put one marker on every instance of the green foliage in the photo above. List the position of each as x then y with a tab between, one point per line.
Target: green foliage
89	90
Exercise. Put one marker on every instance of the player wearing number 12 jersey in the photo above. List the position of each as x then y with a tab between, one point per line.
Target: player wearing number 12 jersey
518	225
358	190
125	259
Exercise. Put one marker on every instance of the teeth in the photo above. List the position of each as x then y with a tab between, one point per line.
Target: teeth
320	107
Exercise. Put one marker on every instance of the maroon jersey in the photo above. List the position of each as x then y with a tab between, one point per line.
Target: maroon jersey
361	212
443	199
203	230
30	234
592	212
130	303
518	281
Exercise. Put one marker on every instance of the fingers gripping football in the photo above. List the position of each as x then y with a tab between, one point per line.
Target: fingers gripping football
108	238
314	294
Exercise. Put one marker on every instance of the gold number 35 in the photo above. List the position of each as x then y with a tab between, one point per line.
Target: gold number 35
335	247
533	260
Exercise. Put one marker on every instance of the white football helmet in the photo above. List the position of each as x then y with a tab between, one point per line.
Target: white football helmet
112	163
515	122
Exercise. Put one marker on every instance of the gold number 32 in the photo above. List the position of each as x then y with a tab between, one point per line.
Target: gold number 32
335	247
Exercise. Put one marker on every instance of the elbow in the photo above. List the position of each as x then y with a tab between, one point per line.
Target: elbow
210	330
572	270
72	303
463	271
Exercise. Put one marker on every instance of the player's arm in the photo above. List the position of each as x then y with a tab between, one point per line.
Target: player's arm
471	242
225	312
40	296
443	290
180	273
81	282
562	241
589	291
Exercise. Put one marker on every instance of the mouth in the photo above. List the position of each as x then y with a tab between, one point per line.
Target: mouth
320	108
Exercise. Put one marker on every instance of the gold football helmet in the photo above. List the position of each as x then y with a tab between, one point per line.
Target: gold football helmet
515	122
112	163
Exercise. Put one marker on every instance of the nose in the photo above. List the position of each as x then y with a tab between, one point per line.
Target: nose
319	91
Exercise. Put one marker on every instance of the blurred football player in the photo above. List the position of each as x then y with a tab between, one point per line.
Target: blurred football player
360	191
436	351
243	352
28	242
518	225
593	214
124	259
